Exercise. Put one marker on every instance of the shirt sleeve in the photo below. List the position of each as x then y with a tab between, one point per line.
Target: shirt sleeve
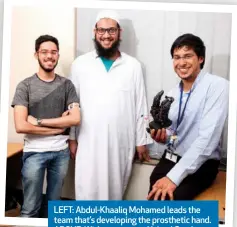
71	93
142	117
210	130
73	77
21	96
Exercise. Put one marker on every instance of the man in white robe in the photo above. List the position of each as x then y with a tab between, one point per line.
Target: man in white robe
114	115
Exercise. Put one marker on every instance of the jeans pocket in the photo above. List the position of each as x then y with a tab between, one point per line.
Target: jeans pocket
65	153
26	155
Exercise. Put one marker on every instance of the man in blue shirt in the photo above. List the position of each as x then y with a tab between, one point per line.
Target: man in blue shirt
190	163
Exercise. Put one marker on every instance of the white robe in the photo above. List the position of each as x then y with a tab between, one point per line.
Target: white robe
114	117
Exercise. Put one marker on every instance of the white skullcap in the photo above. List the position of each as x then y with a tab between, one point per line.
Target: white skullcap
110	14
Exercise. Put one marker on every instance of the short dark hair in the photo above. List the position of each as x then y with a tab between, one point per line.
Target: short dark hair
45	38
191	41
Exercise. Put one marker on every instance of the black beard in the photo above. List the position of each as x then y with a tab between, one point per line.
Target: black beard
107	53
45	69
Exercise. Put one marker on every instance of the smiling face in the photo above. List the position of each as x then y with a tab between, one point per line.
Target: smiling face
47	56
186	63
107	37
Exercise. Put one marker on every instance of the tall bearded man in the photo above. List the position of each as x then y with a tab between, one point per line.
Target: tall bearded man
114	109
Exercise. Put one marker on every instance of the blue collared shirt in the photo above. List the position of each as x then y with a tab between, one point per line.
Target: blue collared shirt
200	131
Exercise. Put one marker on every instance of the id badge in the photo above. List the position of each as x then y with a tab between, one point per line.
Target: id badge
171	156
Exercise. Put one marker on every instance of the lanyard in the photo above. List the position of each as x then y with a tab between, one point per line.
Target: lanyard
180	118
181	115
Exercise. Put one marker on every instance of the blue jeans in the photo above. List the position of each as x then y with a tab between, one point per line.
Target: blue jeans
33	171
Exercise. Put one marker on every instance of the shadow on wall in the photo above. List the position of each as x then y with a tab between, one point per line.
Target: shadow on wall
129	45
79	53
218	65
128	36
130	42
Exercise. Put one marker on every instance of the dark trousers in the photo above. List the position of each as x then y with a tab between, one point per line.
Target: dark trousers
193	184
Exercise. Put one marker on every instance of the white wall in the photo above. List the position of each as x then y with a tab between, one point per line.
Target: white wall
27	26
139	182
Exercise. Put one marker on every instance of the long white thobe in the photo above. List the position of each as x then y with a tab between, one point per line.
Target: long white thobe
114	118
